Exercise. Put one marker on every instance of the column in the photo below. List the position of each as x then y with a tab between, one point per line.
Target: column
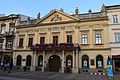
77	61
77	35
26	42
33	65
63	60
44	64
49	35
73	66
4	44
62	35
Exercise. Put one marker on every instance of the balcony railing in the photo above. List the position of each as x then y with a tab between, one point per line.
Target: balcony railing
55	47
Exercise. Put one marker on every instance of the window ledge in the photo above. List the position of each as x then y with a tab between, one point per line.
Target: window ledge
84	44
98	44
20	47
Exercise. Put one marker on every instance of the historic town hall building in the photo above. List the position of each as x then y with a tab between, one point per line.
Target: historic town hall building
61	42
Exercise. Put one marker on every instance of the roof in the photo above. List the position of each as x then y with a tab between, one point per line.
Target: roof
112	7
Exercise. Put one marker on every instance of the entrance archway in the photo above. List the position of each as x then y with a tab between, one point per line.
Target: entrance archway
69	61
85	61
99	61
28	60
54	63
19	60
40	61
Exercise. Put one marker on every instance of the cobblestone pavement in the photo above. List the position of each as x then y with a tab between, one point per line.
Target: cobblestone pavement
52	76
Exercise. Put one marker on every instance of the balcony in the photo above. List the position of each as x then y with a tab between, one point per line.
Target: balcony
6	34
55	47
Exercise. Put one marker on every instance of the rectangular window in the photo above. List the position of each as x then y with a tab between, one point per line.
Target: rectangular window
115	19
11	27
55	40
9	44
1	44
69	38
21	42
84	39
30	42
98	38
42	40
117	37
2	28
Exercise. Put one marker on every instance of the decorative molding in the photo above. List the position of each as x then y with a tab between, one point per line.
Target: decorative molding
55	18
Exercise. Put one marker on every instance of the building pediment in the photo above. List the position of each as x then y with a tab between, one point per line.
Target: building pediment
56	16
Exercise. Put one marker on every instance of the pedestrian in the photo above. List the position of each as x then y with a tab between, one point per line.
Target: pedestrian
8	67
5	66
1	65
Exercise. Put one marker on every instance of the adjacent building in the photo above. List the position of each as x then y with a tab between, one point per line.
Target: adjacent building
7	36
113	13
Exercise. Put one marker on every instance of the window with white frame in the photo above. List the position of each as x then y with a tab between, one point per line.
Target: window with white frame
69	38
115	19
9	44
117	37
84	39
98	38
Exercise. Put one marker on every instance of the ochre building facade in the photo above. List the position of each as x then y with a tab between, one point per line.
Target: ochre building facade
62	42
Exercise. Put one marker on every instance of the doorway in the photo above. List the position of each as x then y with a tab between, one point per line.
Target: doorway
54	63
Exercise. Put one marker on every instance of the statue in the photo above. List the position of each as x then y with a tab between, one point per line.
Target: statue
76	10
38	15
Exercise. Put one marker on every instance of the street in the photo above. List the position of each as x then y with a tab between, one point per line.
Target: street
52	76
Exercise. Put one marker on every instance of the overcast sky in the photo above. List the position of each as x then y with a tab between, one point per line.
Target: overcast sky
32	7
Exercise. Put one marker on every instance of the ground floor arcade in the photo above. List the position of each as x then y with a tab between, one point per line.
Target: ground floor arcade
59	61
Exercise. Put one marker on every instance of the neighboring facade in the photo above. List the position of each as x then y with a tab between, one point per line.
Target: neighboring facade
7	35
7	28
113	13
61	42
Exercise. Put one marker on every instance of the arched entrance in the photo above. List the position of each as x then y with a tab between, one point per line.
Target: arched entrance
40	61
85	61
19	60
28	60
99	61
69	63
54	63
8	59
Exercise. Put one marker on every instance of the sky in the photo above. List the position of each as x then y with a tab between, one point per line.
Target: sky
32	7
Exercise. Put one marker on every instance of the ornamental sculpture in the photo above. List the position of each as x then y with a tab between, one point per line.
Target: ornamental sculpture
56	17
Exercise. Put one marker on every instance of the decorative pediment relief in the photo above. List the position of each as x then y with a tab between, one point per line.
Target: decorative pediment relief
56	16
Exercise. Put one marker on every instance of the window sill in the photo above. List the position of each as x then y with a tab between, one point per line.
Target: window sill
98	44
20	47
84	44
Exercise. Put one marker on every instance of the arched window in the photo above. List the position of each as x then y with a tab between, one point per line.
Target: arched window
28	60
69	61
85	61
40	61
99	61
19	60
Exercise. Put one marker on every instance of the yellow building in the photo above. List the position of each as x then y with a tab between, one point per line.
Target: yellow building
62	42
